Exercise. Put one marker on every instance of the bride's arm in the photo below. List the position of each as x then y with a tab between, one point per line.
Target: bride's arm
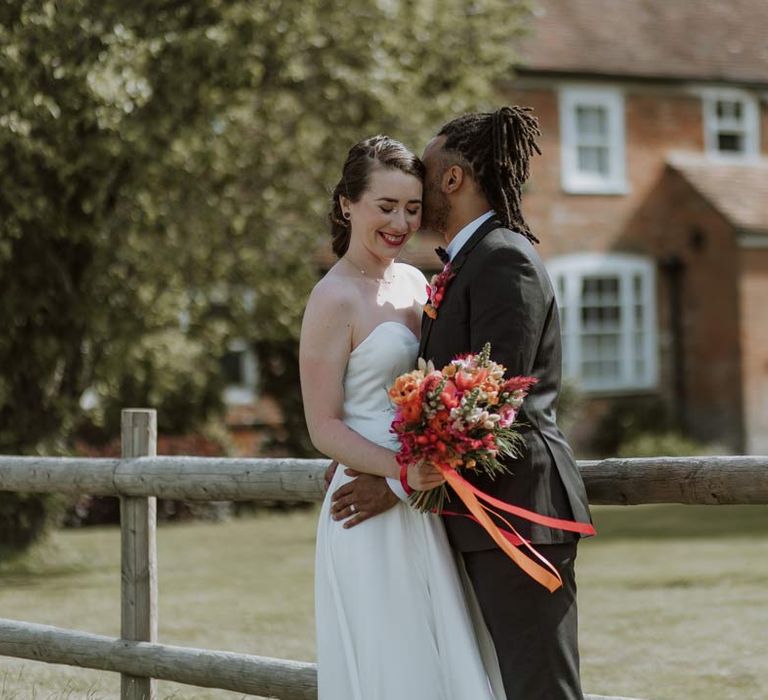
326	339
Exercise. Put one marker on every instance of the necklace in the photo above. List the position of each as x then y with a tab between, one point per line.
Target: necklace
362	271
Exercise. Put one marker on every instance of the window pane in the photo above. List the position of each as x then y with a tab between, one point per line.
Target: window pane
719	108
561	289
730	142
600	346
610	342
609	288
729	109
610	370
610	346
602	371
600	304
589	347
590	370
600	290
589	286
601	316
593	159
637	285
591	120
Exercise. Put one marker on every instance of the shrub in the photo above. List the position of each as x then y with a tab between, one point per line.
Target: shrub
630	418
24	518
663	444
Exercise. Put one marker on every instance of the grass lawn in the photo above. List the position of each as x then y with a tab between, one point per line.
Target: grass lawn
673	600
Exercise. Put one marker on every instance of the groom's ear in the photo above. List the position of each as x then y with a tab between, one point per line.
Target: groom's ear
453	179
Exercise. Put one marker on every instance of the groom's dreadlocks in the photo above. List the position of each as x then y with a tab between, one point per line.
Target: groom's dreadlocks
497	146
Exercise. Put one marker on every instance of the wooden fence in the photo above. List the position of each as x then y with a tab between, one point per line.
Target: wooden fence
140	476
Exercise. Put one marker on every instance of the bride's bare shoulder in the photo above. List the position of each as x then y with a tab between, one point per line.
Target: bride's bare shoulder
412	273
335	293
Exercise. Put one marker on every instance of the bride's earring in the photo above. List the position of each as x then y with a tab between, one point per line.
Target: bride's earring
347	216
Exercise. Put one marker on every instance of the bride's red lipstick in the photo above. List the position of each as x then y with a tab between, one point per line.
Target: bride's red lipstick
392	244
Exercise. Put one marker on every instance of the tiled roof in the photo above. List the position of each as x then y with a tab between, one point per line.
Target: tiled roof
707	40
739	191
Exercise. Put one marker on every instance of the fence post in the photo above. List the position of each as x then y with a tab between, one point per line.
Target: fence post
138	525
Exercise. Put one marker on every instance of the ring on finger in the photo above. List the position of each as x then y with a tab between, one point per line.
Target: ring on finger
352	507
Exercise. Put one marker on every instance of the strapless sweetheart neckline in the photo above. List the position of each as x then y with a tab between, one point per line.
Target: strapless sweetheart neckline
383	323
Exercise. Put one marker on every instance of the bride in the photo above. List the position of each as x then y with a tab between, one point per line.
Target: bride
394	619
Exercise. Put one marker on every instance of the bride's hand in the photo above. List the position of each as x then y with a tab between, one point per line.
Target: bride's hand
423	476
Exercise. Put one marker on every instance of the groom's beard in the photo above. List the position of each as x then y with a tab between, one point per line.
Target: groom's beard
437	210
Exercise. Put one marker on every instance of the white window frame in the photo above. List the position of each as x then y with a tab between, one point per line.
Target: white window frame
577	182
567	274
246	392
713	125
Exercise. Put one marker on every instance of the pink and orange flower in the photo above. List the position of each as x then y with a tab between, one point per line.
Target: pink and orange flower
459	417
436	290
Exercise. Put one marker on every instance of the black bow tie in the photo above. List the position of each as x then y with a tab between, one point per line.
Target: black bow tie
443	254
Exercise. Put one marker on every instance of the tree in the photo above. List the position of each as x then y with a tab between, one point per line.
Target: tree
171	160
328	75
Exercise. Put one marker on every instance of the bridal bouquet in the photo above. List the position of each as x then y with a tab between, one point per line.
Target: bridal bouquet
460	417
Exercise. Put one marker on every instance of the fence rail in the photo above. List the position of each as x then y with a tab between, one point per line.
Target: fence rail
243	673
140	476
690	480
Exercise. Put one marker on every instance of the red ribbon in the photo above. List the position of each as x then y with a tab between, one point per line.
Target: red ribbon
556	523
535	565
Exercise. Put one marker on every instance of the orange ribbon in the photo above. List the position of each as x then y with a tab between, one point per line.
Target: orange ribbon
556	523
543	573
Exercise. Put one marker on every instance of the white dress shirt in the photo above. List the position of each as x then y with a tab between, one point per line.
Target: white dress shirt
456	244
458	241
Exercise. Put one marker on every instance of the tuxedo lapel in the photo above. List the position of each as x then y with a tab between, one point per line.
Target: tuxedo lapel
483	230
426	325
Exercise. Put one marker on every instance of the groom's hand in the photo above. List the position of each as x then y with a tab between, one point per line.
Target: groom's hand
370	495
328	478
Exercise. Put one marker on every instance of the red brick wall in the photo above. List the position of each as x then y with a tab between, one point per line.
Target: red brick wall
675	220
566	223
754	346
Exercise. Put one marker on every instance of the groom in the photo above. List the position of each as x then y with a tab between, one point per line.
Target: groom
475	170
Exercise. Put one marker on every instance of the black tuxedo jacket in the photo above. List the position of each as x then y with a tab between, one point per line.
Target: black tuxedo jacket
502	294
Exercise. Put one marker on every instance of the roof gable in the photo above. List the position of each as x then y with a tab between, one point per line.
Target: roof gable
738	190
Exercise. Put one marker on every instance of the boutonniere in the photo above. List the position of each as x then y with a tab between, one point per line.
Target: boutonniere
436	290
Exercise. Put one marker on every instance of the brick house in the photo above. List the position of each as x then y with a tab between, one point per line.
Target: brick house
651	204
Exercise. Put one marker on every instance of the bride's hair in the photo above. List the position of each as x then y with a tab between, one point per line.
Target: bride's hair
377	151
497	146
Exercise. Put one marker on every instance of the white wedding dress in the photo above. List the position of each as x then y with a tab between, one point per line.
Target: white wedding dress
396	619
